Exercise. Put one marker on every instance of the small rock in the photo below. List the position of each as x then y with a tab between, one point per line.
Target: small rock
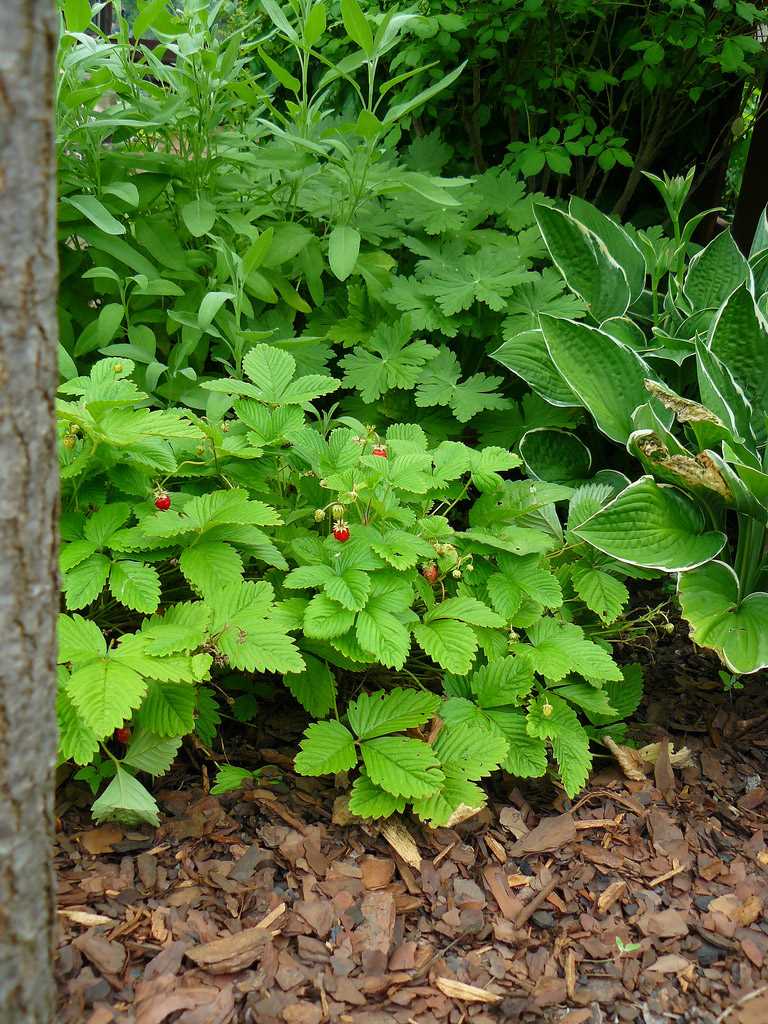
543	919
630	909
702	902
708	955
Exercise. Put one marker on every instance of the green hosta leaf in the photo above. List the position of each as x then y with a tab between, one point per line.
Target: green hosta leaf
450	643
619	244
465	609
314	688
77	741
526	755
502	682
556	456
735	627
402	766
715	272
84	583
527	355
608	378
105	693
327	748
210	564
601	593
455	794
325	618
470	749
125	799
388	360
168	709
652	525
383	635
440	384
229	778
135	585
584	262
623	696
739	338
79	640
377	714
559	648
368	800
152	753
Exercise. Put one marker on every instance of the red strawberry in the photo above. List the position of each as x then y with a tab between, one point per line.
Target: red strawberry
430	573
340	531
380	450
163	501
123	735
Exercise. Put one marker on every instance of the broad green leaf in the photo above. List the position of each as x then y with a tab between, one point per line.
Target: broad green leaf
168	708
149	752
79	640
356	25
383	635
97	213
377	714
283	76
505	681
210	564
402	766
739	338
624	696
470	749
465	609
77	741
351	588
368	800
325	618
229	777
314	688
559	648
714	272
652	525
135	585
77	14
125	799
399	110
343	250
607	377
199	217
83	584
401	549
589	698
619	244
584	262
526	354
450	643
601	593
327	748
105	693
570	743
557	456
526	755
720	618
456	794
102	525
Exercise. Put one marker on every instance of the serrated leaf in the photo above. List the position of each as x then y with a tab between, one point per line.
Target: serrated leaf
502	682
168	708
229	777
455	792
388	360
79	639
402	766
591	699
327	748
377	714
527	755
77	741
105	693
558	648
125	799
601	593
350	588
207	717
83	584
441	384
402	550
314	688
368	800
105	522
324	618
210	564
465	609
624	696
382	634
135	585
470	749
574	760
149	752
450	643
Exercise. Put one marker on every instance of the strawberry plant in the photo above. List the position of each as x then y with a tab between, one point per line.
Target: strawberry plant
670	363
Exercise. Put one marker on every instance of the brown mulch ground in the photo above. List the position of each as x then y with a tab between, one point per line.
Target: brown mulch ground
642	902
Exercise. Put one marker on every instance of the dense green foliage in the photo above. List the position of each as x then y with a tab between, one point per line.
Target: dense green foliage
289	453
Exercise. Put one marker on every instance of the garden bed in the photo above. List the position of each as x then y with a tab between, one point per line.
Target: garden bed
640	902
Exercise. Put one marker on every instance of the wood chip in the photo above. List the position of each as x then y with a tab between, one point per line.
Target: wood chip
233	952
466	993
550	834
84	918
610	895
402	842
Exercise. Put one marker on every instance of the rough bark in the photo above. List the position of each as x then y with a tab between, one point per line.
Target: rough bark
28	509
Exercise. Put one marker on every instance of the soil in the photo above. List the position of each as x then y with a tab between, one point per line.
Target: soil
644	901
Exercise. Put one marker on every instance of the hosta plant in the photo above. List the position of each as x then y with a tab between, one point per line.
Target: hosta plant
671	363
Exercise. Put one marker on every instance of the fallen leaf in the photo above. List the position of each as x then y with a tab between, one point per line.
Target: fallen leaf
510	818
462	813
550	834
232	953
467	993
664	924
630	762
86	919
741	912
678	759
100	840
671	963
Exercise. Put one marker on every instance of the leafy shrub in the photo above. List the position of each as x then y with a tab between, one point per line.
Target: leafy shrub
676	373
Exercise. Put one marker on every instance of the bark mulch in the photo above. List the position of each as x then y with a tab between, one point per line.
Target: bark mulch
644	901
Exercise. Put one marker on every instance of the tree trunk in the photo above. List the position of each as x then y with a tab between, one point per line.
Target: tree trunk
28	509
753	194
